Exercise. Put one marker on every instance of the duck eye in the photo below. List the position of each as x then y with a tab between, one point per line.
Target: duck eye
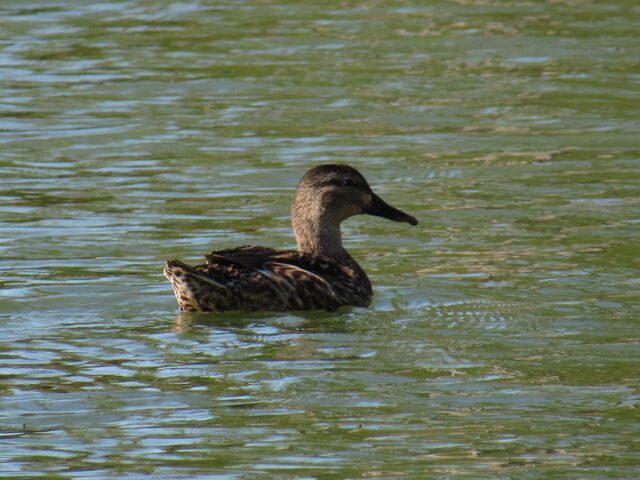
348	182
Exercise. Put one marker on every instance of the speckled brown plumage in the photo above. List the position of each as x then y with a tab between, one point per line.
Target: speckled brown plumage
319	275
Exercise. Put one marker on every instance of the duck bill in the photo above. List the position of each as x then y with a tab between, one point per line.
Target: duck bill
380	208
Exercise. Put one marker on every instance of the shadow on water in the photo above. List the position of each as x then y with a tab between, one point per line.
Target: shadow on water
309	322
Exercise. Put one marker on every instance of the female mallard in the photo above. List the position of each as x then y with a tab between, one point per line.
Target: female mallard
319	275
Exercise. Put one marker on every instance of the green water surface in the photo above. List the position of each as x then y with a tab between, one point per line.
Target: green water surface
502	341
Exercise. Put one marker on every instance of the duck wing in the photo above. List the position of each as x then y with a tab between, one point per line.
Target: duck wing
300	281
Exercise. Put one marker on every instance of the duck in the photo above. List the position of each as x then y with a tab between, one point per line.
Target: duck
319	275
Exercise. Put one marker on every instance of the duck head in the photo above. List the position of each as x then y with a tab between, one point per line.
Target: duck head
329	194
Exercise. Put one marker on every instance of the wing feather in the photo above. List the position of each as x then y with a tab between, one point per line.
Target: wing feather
296	278
305	288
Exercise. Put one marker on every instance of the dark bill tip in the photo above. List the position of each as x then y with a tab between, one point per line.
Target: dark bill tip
380	208
411	220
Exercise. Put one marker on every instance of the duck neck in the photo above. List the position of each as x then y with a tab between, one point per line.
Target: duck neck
318	234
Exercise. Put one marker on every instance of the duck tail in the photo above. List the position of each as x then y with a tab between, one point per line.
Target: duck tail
193	289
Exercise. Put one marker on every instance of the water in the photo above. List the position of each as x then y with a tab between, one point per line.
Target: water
502	341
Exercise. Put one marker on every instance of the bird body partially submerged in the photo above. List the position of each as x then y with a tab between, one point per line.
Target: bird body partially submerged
319	275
